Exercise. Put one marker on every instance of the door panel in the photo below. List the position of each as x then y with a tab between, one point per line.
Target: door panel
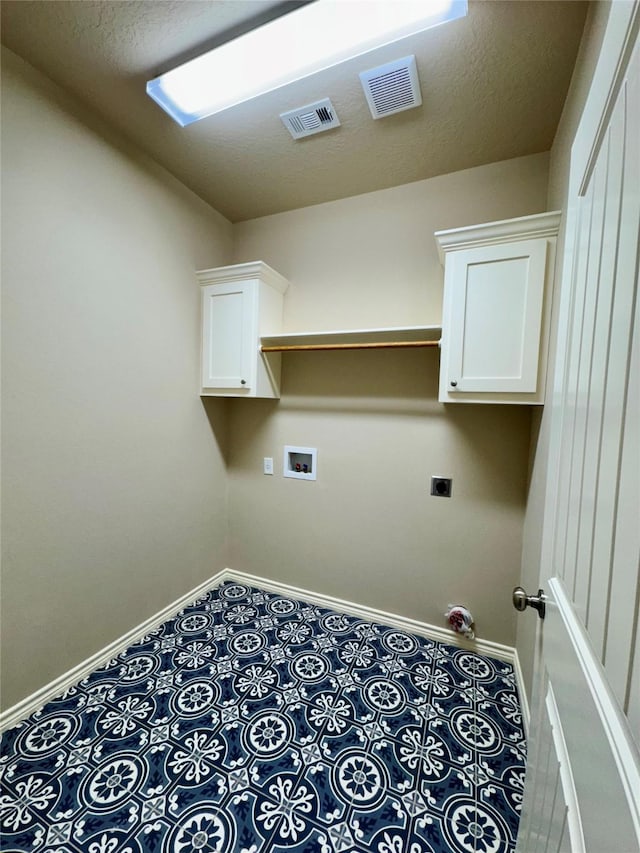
583	777
553	814
626	539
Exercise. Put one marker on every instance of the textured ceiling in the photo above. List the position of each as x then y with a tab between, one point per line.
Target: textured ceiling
493	85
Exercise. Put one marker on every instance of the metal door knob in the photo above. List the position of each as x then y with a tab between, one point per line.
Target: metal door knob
453	383
521	600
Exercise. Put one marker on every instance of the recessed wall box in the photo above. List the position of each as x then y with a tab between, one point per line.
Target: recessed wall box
300	462
441	487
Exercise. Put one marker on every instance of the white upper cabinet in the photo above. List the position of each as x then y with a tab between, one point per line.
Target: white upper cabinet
496	311
239	304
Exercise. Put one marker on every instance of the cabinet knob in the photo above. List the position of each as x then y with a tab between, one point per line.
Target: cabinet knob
453	383
243	381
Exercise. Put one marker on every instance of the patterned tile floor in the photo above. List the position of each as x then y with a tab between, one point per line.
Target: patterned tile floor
255	723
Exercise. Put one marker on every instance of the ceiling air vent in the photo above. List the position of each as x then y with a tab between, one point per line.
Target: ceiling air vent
392	88
314	118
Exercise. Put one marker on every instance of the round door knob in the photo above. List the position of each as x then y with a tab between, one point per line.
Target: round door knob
243	381
521	601
453	384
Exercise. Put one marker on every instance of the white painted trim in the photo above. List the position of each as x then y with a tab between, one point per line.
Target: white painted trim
619	40
413	626
574	821
533	227
369	614
614	723
522	693
12	716
243	272
55	688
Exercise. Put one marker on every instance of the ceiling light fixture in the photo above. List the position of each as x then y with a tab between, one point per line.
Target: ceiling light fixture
309	39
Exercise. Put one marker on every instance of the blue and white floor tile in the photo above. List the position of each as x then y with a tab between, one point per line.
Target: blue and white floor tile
255	723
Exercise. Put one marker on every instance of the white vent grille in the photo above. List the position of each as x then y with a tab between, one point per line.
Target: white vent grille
314	118
392	88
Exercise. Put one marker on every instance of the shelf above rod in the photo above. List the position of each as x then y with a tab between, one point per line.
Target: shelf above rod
378	345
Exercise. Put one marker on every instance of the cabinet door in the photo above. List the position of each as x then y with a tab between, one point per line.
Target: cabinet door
496	296
229	336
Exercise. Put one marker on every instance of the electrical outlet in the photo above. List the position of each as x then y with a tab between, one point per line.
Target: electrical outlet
441	487
268	465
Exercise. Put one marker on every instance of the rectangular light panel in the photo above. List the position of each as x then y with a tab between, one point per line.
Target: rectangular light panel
309	39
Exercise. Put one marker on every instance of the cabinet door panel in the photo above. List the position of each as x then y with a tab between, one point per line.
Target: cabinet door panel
496	314
228	336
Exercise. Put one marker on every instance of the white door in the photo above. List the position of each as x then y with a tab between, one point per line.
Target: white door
583	778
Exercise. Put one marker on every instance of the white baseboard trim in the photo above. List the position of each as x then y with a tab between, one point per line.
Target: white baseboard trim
370	614
18	712
413	626
522	693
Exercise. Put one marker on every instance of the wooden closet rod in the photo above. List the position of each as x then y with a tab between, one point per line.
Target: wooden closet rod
381	345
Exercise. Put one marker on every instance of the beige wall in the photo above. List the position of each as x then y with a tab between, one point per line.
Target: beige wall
557	200
371	260
367	530
114	483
